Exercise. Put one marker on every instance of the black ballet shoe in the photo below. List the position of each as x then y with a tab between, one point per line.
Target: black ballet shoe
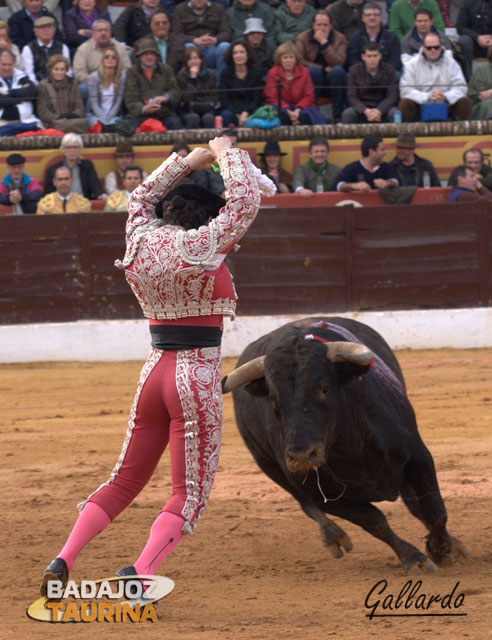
126	571
56	570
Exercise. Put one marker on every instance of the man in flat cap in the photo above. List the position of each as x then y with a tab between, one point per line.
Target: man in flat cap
17	189
412	170
36	54
125	157
21	23
151	89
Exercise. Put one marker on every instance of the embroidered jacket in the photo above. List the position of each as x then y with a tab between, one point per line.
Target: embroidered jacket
180	274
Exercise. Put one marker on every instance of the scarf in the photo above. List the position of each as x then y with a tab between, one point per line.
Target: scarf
320	172
62	100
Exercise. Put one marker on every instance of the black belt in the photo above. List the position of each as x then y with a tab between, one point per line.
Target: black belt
176	337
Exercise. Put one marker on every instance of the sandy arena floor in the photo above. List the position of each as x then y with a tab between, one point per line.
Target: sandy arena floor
256	568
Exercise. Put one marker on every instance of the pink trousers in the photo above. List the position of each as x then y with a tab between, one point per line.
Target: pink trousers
178	402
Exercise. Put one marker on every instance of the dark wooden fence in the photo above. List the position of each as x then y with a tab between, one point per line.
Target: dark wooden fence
60	268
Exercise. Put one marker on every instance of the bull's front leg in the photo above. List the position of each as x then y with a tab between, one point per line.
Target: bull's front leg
332	535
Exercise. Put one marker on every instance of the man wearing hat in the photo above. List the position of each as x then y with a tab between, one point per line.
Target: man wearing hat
17	189
263	48
270	166
412	170
124	156
36	54
317	174
241	10
151	89
21	23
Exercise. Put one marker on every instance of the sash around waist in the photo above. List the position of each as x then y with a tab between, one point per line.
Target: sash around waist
177	337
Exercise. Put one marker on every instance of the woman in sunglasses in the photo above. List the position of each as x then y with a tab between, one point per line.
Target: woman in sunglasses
106	87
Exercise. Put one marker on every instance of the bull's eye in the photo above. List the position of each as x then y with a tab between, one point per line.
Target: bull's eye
324	392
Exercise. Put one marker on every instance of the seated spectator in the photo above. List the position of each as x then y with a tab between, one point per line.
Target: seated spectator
171	47
90	54
270	166
204	24
373	31
124	156
118	201
6	43
475	23
21	23
468	187
291	19
83	178
17	189
370	172
433	76
16	5
317	174
151	89
240	84
36	54
412	42
63	199
298	98
262	48
78	21
59	103
402	16
134	21
474	159
372	91
17	92
411	169
199	97
480	90
106	89
346	16
324	51
241	10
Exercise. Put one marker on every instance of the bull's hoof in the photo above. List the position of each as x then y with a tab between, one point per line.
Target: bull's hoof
447	551
339	545
420	565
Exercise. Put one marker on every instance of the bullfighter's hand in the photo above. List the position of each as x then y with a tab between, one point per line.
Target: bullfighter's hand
220	144
200	158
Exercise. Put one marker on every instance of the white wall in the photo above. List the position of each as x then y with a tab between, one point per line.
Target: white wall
114	340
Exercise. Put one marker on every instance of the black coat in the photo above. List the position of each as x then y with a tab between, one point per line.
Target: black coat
91	185
245	98
21	27
131	25
388	42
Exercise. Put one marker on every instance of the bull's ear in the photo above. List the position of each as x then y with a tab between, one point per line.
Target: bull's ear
257	387
347	371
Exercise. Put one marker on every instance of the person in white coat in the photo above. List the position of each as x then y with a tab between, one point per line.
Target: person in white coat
17	92
433	76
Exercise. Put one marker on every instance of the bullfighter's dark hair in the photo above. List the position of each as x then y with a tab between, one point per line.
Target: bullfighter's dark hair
133	168
228	59
370	142
460	171
189	206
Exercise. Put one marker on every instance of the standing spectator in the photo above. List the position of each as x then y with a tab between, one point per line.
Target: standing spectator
240	84
204	24
151	89
262	48
480	90
475	22
402	16
433	76
317	174
134	22
6	43
59	103
370	172
410	168
106	89
90	54
171	47
83	174
474	159
270	165
118	201
36	54
372	91
17	92
63	199
17	189
468	187
21	23
346	16
324	51
297	93
241	10
125	157
198	91
79	20
291	19
373	31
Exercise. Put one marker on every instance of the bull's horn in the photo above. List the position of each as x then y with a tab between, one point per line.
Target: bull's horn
248	372
349	352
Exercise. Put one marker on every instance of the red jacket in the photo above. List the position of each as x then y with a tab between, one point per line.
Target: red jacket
298	92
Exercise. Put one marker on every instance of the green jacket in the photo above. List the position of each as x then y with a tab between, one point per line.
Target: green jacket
138	90
402	16
305	177
288	26
237	17
481	80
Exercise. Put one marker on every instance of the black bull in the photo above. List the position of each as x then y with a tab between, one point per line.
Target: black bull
321	405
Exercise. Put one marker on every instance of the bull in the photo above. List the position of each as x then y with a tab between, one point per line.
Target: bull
321	404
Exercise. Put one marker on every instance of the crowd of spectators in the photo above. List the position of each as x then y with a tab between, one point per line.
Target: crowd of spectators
64	65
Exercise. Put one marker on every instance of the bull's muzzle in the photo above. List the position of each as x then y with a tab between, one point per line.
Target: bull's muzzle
299	459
